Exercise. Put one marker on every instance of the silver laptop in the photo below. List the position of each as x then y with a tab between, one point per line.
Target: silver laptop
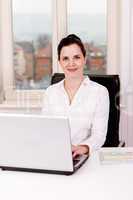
37	143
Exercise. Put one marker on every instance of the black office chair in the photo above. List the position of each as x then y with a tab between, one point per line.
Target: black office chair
112	83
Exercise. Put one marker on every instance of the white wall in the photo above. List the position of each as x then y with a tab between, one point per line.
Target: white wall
126	72
1	81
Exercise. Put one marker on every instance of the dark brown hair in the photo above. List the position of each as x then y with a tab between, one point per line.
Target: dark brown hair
71	39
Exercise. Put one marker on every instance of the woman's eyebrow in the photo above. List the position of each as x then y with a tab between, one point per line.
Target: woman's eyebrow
76	55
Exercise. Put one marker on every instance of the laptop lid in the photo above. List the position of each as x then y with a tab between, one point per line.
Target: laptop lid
35	142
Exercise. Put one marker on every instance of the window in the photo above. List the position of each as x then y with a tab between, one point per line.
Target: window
24	64
87	19
32	44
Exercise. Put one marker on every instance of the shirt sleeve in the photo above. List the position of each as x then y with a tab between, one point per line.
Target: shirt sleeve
99	123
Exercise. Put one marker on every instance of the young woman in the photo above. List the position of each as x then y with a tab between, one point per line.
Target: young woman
84	102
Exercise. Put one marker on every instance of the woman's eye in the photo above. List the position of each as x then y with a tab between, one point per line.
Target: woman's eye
65	58
77	57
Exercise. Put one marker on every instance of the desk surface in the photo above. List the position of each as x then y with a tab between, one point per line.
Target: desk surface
93	181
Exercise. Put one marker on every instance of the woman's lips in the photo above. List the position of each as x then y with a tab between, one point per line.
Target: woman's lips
72	70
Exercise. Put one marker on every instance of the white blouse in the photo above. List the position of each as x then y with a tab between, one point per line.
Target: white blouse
88	113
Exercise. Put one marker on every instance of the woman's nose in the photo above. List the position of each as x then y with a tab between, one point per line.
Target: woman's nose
71	62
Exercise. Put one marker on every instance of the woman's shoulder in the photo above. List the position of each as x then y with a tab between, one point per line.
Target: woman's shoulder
54	87
97	86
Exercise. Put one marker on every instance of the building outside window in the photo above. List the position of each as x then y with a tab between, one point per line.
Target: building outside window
88	19
32	42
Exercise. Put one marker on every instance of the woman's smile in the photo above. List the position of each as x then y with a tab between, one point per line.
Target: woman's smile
72	69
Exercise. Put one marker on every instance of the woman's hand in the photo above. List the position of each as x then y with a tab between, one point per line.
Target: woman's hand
80	150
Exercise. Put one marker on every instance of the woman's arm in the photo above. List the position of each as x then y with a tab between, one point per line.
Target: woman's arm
99	123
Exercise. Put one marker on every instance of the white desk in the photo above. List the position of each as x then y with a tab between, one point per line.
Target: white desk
92	182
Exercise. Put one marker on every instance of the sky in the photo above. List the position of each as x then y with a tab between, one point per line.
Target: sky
74	6
87	6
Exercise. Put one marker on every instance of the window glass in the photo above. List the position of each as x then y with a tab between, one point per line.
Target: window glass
32	36
87	19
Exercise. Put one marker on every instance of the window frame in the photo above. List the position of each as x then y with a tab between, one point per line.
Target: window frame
60	30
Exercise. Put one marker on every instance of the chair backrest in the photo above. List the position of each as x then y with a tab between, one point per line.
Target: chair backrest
112	83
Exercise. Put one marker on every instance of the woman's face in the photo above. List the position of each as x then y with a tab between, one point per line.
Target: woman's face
72	61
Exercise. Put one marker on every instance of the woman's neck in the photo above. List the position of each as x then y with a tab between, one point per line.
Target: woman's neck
73	83
71	86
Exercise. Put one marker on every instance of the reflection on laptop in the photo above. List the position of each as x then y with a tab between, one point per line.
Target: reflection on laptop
37	143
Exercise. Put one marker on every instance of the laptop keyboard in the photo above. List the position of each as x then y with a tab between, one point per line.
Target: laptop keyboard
76	160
